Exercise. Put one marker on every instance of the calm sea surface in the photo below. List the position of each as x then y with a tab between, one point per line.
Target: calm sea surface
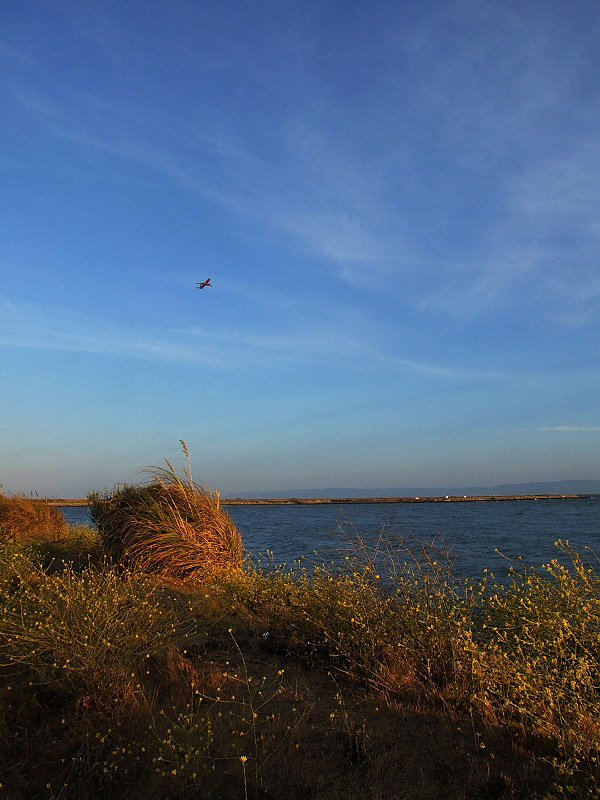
526	528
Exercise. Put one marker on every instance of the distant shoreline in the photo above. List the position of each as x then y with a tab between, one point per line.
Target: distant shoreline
290	501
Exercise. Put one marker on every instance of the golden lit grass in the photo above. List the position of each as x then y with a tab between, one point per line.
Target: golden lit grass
165	700
389	616
525	657
25	518
79	547
89	634
400	624
221	717
169	526
539	659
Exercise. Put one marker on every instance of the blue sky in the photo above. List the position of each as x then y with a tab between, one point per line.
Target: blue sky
398	205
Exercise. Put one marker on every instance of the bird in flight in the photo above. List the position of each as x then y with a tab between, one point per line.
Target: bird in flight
203	284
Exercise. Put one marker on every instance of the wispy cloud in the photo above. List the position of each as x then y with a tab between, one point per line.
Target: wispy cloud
43	328
574	428
327	340
383	180
299	178
542	249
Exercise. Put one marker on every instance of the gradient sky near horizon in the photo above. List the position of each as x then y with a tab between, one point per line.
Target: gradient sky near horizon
398	205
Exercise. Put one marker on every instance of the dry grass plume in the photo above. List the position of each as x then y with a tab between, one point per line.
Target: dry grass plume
168	525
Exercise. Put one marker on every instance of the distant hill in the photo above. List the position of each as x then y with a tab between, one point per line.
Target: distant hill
539	487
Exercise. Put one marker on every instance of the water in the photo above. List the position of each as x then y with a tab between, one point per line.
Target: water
526	528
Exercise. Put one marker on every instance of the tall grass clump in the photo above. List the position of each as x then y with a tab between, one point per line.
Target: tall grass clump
26	518
168	525
539	643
